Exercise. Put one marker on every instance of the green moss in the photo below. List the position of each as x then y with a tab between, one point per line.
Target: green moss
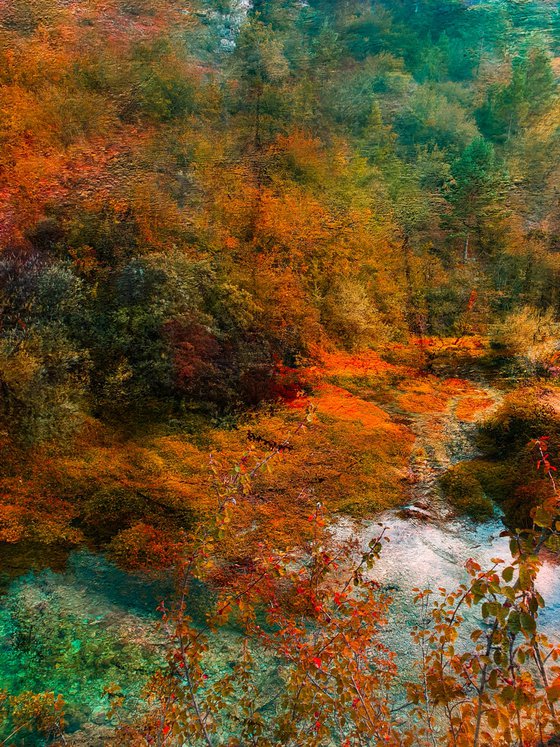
496	479
464	492
77	633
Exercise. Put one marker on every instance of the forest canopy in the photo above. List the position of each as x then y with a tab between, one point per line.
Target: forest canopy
192	198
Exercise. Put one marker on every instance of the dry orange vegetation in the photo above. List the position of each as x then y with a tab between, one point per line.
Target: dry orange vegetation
471	408
337	402
366	363
472	344
430	394
353	456
422	398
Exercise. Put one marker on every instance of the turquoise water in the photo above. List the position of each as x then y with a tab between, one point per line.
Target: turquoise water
80	630
89	625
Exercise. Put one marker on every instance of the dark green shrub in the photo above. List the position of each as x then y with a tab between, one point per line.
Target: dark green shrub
513	486
524	415
510	476
497	480
465	494
519	504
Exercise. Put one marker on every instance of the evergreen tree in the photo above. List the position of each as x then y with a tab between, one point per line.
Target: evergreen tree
529	94
477	191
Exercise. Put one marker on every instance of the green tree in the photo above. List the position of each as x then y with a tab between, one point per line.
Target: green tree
476	195
528	95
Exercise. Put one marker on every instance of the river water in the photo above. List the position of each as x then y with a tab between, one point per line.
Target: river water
428	556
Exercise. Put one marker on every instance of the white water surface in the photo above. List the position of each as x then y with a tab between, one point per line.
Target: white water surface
426	555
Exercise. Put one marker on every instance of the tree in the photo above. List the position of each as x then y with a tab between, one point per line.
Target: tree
314	622
476	195
529	94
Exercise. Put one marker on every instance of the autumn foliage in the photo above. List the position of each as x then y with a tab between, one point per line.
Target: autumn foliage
316	235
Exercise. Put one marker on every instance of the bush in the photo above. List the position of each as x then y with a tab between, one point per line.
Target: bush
510	476
525	414
504	483
519	504
349	315
498	480
529	335
465	494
